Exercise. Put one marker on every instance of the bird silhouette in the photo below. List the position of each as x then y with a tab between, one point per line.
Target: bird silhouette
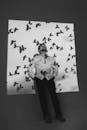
35	55
73	56
53	44
25	72
61	48
22	48
10	74
71	48
49	39
68	59
54	55
50	34
29	59
15	29
63	77
57	34
57	47
56	64
10	31
16	73
19	87
24	57
15	45
51	48
67	28
25	66
15	83
72	69
35	41
12	42
70	35
38	24
74	65
57	26
69	54
18	67
66	70
30	22
28	27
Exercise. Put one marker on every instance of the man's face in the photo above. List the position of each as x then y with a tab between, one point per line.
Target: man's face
43	50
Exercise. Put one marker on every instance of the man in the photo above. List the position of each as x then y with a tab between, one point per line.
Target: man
43	69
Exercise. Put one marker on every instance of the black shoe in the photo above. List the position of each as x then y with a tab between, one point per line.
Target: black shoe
60	118
48	119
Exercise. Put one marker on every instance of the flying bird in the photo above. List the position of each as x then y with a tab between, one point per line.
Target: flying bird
57	26
15	29
34	41
29	59
50	34
71	48
66	70
69	54
72	69
68	59
25	66
70	35
51	48
37	43
63	77
67	28
57	34
27	27
54	55
49	39
10	31
24	57
57	47
18	67
22	48
30	23
16	73
38	24
15	83
12	42
73	56
61	48
53	44
10	74
19	87
15	45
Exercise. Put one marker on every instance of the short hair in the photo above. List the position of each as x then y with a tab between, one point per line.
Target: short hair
42	47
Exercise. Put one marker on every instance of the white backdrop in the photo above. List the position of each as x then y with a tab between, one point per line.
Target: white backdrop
23	40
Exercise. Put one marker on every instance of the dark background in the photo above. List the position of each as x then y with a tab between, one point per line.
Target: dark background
22	112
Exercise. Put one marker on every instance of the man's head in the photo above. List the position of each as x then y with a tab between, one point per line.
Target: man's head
42	48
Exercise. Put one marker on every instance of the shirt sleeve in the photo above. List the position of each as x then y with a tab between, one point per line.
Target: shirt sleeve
31	69
53	70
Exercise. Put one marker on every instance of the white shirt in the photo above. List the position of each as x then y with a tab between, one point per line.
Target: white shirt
40	63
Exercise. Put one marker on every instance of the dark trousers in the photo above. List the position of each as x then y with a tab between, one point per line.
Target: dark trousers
42	86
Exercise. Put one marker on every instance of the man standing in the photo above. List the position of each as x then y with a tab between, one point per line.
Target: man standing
43	70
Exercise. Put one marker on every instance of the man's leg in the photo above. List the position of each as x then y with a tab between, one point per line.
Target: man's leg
55	101
42	98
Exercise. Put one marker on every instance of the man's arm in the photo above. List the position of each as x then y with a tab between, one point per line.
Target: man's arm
31	69
53	70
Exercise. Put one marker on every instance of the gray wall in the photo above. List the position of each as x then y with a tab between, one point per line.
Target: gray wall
23	111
